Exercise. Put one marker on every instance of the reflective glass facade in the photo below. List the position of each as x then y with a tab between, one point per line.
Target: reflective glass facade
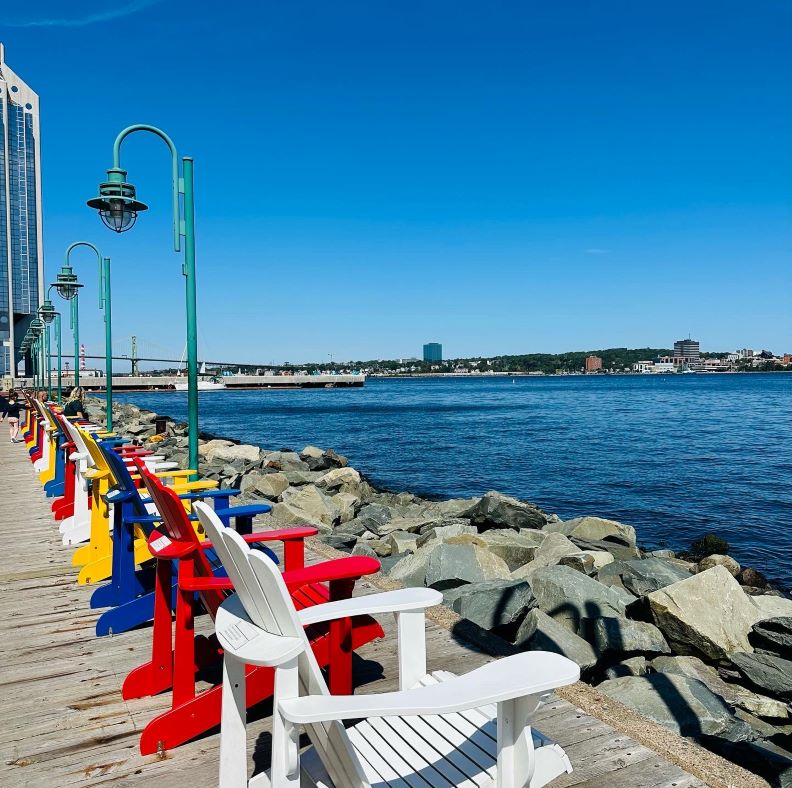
20	214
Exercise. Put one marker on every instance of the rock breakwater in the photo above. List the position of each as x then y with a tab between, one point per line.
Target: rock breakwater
703	647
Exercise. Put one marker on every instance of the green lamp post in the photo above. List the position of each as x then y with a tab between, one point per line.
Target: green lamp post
48	314
105	306
37	329
118	208
68	287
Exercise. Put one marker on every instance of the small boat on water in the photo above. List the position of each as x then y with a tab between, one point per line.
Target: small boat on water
211	384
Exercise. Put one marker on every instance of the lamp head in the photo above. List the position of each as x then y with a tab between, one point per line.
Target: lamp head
47	311
116	203
36	327
66	283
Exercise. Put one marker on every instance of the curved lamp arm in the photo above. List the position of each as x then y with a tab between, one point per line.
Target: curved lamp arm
178	183
101	266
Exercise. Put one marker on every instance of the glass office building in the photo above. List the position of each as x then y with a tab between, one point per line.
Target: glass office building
433	352
21	257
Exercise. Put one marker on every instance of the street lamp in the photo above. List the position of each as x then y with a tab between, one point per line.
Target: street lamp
48	314
68	288
37	329
65	286
118	208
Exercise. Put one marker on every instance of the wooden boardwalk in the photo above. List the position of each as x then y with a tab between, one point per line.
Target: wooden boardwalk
64	721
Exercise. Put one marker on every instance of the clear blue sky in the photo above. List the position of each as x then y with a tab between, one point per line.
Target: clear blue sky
501	177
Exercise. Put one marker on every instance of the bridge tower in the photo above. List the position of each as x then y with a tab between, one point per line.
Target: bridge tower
135	370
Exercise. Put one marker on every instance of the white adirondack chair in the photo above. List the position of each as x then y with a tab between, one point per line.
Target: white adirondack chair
437	730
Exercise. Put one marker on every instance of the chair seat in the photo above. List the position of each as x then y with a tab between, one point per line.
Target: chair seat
447	751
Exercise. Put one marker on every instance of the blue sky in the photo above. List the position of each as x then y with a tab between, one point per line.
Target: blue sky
502	177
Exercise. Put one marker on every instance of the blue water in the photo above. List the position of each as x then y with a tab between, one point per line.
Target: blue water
675	456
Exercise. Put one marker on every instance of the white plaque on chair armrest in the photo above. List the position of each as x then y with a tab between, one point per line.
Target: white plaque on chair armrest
161	543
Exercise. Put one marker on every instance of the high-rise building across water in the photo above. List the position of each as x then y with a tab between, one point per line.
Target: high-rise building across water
21	252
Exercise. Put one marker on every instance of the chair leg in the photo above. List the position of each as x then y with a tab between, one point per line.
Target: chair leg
285	735
233	741
516	757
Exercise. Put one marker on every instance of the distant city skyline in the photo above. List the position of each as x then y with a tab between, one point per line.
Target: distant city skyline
505	177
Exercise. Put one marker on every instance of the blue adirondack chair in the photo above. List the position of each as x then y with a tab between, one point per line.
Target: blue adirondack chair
130	592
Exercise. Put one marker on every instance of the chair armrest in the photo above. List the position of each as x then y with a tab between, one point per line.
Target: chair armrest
531	673
213	493
339	569
161	546
207	584
282	535
400	601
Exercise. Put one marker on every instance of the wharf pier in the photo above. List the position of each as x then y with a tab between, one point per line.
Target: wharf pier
228	383
64	722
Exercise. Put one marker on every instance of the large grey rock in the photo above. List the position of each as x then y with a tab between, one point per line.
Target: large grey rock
454	564
773	635
402	542
771	606
633	666
719	560
594	529
642	576
372	516
706	614
621	552
496	603
550	552
587	561
539	632
341	479
285	461
411	570
301	477
347	504
442	532
733	694
307	505
495	510
229	453
681	703
767	672
410	524
206	447
516	549
572	598
270	485
623	636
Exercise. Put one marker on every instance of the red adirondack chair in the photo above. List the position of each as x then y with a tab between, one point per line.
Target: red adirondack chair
178	655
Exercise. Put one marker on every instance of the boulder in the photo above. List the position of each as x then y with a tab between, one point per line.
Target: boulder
733	694
442	532
206	447
373	516
337	460
621	552
766	672
642	576
231	452
341	479
633	666
621	635
300	477
594	529
571	598
751	577
339	541
347	504
587	561
539	632
454	564
363	548
771	606
285	461
773	635
411	524
681	703
492	604
719	560
379	546
495	510
516	549
661	554
401	541
454	507
270	485
552	549
411	570
307	505
706	614
248	483
311	451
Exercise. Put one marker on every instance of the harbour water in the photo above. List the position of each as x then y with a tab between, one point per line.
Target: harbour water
674	455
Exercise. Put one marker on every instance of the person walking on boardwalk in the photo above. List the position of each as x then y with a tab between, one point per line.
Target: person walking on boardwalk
74	407
12	410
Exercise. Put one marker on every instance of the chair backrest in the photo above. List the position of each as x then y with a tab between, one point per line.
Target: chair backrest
267	602
123	478
179	529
